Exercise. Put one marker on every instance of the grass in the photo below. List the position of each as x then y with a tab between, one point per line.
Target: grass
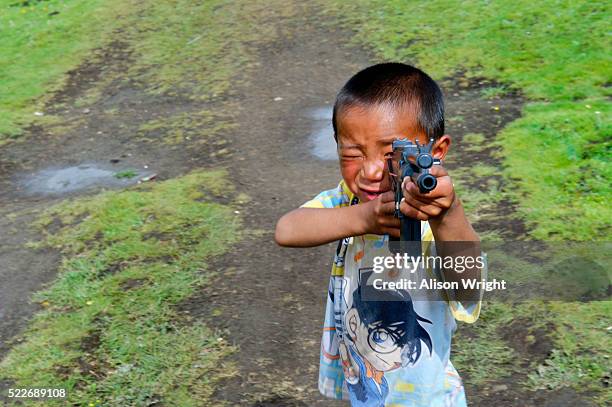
564	193
494	361
41	41
475	142
210	39
127	174
494	91
555	158
110	330
578	358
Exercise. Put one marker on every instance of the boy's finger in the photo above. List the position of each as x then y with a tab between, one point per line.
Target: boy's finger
388	196
442	201
441	190
388	207
390	221
438	171
394	232
432	208
413	212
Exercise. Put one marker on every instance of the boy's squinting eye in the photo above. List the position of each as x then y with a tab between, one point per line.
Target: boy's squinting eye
351	156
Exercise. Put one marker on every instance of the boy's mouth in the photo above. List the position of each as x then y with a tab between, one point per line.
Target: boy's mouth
371	195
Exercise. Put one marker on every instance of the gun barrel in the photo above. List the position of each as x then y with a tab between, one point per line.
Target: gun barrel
426	182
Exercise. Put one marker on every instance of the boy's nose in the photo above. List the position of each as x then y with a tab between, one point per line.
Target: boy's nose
373	170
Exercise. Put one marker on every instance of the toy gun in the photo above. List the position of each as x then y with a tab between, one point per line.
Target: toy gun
410	160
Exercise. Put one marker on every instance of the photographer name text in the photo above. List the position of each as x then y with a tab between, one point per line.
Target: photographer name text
434	284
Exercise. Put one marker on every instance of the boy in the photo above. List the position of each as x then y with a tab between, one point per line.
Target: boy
390	350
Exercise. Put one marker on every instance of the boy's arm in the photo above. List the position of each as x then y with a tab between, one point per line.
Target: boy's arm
453	225
308	227
448	222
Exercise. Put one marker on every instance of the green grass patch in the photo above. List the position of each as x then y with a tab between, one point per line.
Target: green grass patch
41	41
109	330
483	171
582	353
473	138
494	91
481	198
565	173
555	49
483	355
474	142
127	174
578	335
195	49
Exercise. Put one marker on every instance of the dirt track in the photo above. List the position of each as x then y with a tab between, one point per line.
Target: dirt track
271	299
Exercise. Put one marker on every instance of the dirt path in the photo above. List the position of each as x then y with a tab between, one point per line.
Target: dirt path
269	300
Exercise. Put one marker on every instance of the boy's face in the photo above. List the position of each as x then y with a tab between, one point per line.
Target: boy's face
365	134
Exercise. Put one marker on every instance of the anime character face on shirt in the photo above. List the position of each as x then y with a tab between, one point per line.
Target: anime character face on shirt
386	330
379	344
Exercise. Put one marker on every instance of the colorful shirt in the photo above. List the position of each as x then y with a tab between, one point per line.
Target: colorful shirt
389	351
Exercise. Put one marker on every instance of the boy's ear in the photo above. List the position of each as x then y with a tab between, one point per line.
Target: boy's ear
441	146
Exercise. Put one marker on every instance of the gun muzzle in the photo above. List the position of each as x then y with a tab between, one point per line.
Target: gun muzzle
426	183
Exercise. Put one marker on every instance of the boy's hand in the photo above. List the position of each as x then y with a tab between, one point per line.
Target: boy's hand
432	204
379	216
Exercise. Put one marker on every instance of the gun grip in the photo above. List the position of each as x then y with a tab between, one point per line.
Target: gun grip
410	238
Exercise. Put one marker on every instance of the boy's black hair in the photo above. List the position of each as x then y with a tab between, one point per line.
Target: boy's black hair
401	86
392	310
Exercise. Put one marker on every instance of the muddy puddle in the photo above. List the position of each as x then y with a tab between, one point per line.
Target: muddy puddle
66	180
322	143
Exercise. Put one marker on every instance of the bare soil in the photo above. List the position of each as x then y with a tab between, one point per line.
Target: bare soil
268	299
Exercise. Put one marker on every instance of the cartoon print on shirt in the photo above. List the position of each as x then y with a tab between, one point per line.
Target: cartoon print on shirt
380	335
331	335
